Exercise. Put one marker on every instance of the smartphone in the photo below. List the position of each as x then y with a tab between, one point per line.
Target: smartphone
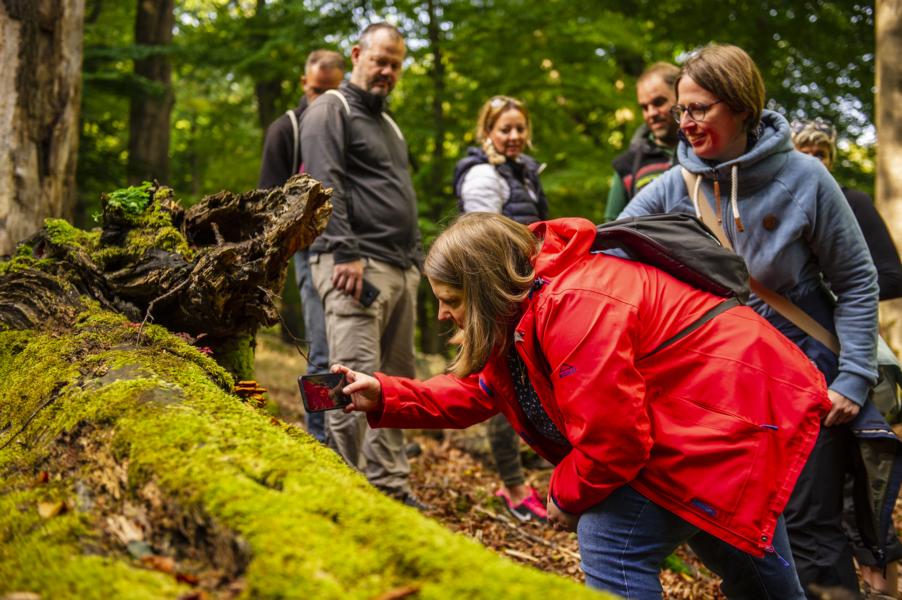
368	294
323	392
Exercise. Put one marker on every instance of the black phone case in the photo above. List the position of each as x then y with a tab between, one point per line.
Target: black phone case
368	294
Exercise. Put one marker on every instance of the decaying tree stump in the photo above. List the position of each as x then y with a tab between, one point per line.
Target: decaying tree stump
129	469
211	272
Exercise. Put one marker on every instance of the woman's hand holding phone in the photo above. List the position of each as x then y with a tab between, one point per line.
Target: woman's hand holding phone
365	390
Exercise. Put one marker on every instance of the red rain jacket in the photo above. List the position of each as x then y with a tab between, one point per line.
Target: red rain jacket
714	428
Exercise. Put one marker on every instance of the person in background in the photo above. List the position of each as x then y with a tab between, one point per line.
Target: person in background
817	138
653	147
498	177
352	145
324	70
654	444
787	217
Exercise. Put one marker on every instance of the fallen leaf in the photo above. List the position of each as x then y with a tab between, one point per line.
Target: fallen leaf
48	510
156	562
186	578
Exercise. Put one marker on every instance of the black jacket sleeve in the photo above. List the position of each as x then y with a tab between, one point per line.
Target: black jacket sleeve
880	244
276	167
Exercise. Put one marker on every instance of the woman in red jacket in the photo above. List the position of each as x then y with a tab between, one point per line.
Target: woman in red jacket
700	441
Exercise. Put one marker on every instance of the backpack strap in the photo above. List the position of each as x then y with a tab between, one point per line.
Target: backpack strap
778	302
385	116
341	97
294	148
393	125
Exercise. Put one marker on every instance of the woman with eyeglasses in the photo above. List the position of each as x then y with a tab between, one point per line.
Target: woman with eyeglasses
498	177
787	217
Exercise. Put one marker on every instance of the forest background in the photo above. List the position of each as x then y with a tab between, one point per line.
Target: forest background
214	73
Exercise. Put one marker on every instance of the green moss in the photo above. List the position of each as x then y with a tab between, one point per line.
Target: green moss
311	526
62	233
236	355
22	259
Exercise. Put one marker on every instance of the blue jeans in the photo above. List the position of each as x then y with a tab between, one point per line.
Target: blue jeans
315	327
624	541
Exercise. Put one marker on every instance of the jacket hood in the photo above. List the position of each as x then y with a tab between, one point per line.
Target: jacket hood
564	241
758	165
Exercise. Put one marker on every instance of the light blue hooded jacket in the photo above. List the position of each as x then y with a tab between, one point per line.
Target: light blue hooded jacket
797	226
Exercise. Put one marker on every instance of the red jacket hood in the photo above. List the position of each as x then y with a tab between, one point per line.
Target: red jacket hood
564	242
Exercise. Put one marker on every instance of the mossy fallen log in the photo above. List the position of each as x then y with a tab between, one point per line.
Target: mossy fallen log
129	471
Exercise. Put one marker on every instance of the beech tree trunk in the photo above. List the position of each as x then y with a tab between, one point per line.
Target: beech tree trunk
889	149
40	96
433	336
148	143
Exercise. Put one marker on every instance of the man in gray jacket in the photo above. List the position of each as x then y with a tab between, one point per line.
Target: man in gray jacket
353	146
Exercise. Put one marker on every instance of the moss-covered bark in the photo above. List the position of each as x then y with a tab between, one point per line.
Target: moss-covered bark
133	449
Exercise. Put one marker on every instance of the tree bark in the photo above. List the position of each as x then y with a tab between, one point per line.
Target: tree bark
148	122
40	97
889	149
433	337
212	272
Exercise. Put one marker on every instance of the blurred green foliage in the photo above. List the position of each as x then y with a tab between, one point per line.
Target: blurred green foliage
574	63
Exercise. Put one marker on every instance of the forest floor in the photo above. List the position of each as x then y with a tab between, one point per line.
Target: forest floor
454	475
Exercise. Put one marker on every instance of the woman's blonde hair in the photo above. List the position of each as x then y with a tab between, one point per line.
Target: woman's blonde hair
488	258
729	73
817	133
489	114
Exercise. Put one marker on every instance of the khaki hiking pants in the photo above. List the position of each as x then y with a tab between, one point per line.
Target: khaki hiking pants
377	338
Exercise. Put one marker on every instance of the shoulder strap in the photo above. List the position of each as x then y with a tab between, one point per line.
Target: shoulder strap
779	303
341	97
393	124
294	148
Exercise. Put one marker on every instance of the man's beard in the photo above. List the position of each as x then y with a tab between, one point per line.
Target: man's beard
386	86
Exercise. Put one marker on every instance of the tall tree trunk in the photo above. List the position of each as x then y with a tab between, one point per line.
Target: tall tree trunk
148	123
889	150
432	339
40	96
267	93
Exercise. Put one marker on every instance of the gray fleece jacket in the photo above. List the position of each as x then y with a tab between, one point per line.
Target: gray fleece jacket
797	227
363	157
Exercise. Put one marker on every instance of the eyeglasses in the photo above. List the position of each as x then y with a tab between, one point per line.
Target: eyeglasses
695	111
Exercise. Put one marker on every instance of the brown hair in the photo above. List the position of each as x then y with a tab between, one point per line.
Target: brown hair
326	59
666	71
729	73
489	114
488	258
